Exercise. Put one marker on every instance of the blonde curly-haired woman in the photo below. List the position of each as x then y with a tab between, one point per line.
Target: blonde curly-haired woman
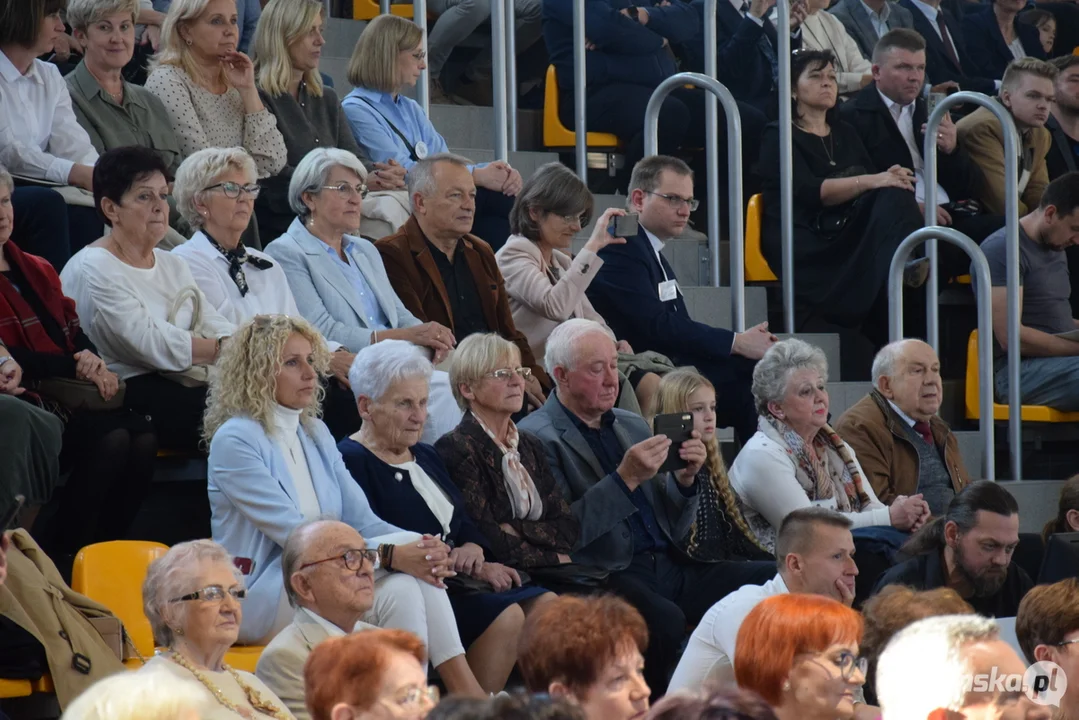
273	465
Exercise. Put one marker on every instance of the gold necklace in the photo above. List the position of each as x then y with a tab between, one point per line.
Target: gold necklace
254	699
118	97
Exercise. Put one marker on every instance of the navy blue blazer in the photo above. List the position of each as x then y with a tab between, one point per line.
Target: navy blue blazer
399	500
939	67
986	46
626	293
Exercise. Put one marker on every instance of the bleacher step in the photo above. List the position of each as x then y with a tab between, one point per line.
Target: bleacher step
524	161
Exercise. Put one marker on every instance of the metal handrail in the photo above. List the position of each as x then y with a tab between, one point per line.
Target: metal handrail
423	92
498	78
580	118
980	270
383	7
734	178
786	165
1011	234
711	153
511	70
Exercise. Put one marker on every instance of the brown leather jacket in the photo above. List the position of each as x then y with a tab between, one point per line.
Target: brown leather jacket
885	451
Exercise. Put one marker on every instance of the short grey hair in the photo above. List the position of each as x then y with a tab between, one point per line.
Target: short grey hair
562	344
201	170
421	178
773	371
81	14
379	366
474	357
928	655
175	574
293	551
5	178
886	363
314	171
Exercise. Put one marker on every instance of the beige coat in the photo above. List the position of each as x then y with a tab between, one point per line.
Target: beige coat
981	135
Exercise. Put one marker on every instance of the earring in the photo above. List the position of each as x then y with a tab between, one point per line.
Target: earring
177	631
188	41
786	685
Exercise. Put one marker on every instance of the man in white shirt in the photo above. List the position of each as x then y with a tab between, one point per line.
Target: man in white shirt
867	21
815	552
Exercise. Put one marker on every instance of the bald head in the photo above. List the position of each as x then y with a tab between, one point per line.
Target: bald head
330	589
907	372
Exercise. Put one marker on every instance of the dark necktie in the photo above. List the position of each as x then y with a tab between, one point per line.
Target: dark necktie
765	47
947	38
922	428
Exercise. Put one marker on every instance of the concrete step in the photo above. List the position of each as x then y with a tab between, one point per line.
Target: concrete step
524	161
474	127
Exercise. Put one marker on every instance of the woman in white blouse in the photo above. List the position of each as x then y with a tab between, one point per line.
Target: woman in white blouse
140	305
823	31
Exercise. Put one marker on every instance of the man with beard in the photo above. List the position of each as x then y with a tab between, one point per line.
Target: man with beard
969	549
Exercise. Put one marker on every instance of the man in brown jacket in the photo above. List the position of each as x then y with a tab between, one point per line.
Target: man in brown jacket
444	274
901	444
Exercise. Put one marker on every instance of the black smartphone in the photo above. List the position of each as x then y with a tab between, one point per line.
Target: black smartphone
13	512
678	427
623	226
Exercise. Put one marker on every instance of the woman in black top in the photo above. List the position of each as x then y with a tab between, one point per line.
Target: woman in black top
849	218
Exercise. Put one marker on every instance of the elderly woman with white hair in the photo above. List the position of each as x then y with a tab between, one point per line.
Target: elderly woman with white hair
340	283
193	596
273	465
407	484
796	459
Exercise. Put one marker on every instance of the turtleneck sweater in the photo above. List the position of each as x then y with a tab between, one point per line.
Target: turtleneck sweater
286	435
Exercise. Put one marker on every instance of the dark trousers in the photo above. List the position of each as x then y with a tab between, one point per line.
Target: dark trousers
673	593
492	220
174	410
955	262
339	410
41	226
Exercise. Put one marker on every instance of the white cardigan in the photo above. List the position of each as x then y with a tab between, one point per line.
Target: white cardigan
824	31
763	477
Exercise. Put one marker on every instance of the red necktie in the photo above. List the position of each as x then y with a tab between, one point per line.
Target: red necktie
922	428
947	38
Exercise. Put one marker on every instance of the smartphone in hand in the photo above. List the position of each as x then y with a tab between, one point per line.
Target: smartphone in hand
678	427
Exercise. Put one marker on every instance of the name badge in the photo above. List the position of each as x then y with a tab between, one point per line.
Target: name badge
421	149
668	290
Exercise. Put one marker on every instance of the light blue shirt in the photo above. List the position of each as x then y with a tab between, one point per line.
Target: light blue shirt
248	13
376	318
879	22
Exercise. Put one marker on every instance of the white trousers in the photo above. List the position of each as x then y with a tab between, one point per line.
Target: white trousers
406	603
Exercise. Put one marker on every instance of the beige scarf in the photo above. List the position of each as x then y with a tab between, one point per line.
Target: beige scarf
525	501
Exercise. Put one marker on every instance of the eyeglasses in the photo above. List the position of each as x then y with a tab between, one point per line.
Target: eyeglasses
346	190
420	55
353	559
581	219
847	662
232	190
416	695
1068	642
214	594
507	373
676	201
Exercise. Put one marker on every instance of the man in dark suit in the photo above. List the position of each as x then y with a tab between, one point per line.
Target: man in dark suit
636	292
986	45
868	20
632	516
890	116
947	60
1063	124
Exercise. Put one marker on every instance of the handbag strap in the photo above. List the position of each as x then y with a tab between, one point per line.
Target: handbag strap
189	292
411	148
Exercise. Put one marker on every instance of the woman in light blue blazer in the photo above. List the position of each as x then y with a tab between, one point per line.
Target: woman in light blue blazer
273	465
341	287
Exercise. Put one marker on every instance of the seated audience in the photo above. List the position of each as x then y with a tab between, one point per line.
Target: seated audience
40	138
41	223
632	516
816	556
710	704
329	576
545	284
587	650
407	484
29	446
1063	122
1045	23
142	696
720	531
948	65
840	198
867	21
1047	627
823	31
928	670
376	674
902	444
636	291
340	284
1049	365
969	549
394	129
273	465
1067	519
193	596
140	305
800	653
1027	93
520	706
442	272
208	86
505	482
797	460
108	451
995	37
894	608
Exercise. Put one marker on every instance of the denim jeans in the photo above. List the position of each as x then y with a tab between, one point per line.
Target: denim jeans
1051	381
457	19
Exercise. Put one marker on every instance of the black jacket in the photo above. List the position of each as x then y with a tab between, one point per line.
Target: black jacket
986	46
1061	158
938	66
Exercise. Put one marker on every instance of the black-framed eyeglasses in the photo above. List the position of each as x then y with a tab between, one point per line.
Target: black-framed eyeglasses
232	190
677	201
353	559
848	662
346	190
214	594
507	373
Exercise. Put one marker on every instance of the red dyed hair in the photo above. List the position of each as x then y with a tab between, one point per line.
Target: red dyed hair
782	627
349	669
572	639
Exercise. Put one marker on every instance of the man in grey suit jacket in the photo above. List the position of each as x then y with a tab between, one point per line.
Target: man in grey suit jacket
330	582
867	20
632	517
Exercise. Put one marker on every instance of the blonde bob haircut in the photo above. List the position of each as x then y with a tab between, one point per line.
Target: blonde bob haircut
281	25
245	381
174	49
477	355
374	59
200	170
81	14
141	696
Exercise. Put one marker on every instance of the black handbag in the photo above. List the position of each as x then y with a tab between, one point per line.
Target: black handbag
831	221
587	576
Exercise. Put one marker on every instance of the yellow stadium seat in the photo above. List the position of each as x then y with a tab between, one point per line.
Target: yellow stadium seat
15	689
963	280
369	10
557	135
757	269
1028	413
244	657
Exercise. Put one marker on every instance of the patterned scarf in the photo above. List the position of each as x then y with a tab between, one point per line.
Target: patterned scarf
237	259
524	497
830	471
19	326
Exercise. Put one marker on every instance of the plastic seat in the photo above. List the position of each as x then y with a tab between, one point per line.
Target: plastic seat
557	135
757	269
244	657
369	10
14	688
1028	413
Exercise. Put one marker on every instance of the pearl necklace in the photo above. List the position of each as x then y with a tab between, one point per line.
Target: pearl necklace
253	697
